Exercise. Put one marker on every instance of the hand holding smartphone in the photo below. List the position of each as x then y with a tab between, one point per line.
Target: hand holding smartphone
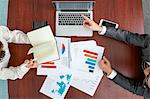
107	23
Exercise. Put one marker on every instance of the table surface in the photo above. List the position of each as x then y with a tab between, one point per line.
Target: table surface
124	58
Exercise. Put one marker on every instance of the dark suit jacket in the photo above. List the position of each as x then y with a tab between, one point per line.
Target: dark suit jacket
142	41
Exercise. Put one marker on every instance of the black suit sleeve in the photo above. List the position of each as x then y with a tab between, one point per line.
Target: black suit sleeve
131	85
128	37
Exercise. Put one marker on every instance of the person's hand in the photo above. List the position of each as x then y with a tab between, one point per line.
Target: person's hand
31	63
91	24
147	71
105	65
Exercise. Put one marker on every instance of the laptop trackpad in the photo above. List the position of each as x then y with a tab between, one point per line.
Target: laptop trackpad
73	31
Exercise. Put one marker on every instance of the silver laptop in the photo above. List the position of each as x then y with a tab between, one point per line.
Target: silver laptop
69	21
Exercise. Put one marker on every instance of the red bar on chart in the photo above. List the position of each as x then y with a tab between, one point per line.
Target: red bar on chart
90	52
48	66
50	62
89	56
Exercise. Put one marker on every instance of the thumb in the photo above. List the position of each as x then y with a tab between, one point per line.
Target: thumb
101	63
105	59
87	26
35	65
26	61
86	23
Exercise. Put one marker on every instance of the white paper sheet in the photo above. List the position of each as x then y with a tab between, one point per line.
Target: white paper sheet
63	45
85	82
56	87
83	79
85	57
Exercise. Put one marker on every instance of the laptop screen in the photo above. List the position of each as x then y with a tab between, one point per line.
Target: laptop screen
74	5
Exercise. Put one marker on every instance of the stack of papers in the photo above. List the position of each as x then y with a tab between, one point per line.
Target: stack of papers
79	60
58	73
66	63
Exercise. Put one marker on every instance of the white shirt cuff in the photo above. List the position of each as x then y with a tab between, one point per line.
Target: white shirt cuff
103	30
24	67
22	70
148	63
112	75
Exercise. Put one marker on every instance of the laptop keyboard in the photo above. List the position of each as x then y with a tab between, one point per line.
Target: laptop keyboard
71	18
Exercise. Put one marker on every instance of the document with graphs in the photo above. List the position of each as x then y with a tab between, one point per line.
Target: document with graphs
85	57
54	67
57	86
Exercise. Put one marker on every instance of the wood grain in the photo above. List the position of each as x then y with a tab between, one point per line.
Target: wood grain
124	58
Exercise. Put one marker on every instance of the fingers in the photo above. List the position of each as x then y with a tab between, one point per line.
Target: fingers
86	18
105	66
26	61
86	24
32	64
146	71
101	64
90	24
105	59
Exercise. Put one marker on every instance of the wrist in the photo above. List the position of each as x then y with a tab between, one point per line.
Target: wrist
109	72
102	30
99	29
24	66
112	75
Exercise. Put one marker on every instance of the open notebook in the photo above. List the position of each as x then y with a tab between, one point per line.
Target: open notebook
44	44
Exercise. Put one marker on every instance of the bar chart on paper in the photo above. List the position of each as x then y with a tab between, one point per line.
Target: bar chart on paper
48	65
91	58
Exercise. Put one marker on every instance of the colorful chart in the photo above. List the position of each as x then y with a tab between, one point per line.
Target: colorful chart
91	58
48	65
62	85
63	49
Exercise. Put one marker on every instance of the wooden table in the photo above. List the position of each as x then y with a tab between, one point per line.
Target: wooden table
124	58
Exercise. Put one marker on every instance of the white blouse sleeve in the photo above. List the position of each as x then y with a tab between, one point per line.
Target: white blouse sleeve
15	36
13	73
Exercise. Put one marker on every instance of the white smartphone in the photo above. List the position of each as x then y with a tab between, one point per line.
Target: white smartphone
107	23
